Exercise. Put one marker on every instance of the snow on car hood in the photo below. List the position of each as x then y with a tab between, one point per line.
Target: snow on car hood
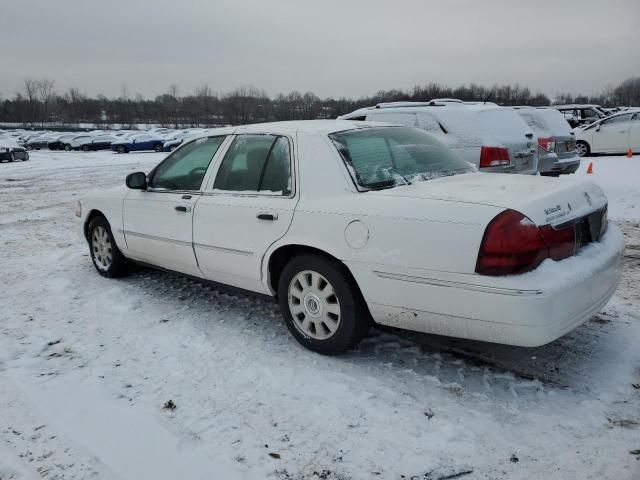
543	200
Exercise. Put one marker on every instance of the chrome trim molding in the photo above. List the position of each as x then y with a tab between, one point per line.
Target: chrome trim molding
224	249
153	237
466	286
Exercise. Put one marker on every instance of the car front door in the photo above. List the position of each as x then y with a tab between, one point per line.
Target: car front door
246	207
158	221
613	134
139	143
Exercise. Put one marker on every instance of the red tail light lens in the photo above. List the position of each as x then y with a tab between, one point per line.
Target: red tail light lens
512	243
561	243
547	143
494	157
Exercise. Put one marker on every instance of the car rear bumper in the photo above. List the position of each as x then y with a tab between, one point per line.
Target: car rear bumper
553	163
525	310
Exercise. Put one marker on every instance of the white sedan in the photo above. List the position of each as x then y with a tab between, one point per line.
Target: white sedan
348	223
615	134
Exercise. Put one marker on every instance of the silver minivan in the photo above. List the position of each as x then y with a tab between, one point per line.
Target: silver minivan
556	141
493	138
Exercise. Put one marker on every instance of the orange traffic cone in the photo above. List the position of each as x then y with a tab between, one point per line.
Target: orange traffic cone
590	168
629	153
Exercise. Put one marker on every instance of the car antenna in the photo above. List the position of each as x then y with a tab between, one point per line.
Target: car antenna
488	97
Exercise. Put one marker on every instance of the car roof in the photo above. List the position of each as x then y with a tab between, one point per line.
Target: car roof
576	105
318	126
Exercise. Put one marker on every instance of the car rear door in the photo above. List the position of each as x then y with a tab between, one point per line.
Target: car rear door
158	221
246	207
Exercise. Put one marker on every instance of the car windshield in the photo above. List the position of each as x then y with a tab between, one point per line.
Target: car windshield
384	157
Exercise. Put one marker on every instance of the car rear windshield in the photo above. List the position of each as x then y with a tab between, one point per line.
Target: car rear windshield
383	157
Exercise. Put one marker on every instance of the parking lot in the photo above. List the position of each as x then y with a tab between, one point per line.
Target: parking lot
157	374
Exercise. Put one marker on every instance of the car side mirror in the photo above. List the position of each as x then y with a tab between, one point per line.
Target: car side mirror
137	181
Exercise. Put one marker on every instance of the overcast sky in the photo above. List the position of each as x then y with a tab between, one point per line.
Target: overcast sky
331	47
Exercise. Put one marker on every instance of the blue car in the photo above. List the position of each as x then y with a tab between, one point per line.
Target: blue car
137	143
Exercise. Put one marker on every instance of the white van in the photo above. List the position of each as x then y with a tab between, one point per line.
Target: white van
493	138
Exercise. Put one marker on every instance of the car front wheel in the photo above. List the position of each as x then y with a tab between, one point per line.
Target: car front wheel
121	149
582	149
158	148
106	256
321	305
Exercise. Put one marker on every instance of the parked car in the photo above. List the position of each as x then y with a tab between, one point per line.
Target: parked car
76	141
556	142
143	141
172	143
351	222
94	143
615	134
578	115
10	151
493	138
38	142
58	143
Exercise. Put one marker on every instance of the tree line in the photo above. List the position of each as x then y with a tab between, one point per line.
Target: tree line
39	103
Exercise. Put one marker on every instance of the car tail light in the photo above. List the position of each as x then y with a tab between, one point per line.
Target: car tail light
561	243
512	244
547	143
494	157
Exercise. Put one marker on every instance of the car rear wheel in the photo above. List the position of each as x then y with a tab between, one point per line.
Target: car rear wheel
121	149
158	148
582	149
106	256
12	157
67	148
321	305
85	148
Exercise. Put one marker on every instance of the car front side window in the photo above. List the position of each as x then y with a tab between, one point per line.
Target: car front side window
618	119
256	164
186	167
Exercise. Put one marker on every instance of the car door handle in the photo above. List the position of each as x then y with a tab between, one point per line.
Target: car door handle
182	208
186	197
267	216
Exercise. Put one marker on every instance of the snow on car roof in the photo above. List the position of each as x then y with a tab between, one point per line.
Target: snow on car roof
319	126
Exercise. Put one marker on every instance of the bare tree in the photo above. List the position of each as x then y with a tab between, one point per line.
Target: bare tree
31	90
46	92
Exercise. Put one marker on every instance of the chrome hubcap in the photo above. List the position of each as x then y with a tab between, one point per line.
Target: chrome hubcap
314	305
101	248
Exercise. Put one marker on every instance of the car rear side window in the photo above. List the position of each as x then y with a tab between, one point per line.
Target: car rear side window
258	164
384	157
186	167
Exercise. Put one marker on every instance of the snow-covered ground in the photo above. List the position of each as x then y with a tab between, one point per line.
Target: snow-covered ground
87	364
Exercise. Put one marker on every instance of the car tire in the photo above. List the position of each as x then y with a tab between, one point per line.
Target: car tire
105	255
85	148
583	149
26	157
158	148
67	148
12	157
321	305
121	149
